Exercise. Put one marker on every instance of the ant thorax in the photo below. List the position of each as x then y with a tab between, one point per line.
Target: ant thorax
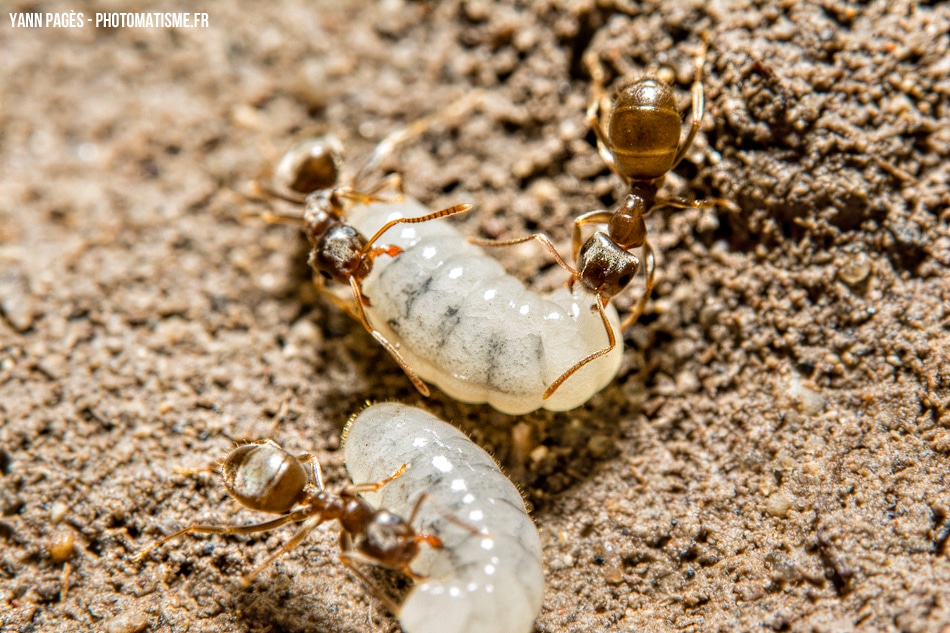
627	226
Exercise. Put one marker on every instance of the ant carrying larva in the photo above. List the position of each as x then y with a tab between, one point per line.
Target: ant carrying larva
310	173
467	539
447	312
264	477
641	143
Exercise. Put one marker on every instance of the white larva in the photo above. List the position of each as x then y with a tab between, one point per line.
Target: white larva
487	576
464	324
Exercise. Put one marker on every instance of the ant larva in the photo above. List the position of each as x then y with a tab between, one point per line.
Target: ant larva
309	173
488	574
466	325
263	476
641	144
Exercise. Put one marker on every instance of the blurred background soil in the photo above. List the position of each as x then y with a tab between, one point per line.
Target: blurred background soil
774	453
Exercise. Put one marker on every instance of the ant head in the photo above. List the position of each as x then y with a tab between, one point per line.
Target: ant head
605	267
644	129
338	254
310	165
264	477
389	538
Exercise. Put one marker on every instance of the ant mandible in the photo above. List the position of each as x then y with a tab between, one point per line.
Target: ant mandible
640	143
263	476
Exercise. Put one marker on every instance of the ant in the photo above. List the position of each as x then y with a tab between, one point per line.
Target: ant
640	142
309	174
263	476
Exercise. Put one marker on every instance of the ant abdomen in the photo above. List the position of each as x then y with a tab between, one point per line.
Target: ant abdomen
310	166
645	127
264	477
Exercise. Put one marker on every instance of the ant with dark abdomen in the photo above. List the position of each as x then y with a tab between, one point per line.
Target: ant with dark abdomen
309	174
263	476
640	142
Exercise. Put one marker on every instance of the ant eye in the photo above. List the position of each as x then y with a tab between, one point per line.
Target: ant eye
326	275
623	281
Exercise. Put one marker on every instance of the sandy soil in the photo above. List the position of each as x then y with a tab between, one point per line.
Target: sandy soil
774	453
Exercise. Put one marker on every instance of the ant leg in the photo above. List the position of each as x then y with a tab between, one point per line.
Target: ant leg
361	315
374	487
316	471
300	535
293	517
649	272
178	470
385	147
459	208
611	343
431	539
340	303
707	203
599	103
541	237
263	192
699	107
392	181
650	259
416	506
591	217
188	472
596	71
275	218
